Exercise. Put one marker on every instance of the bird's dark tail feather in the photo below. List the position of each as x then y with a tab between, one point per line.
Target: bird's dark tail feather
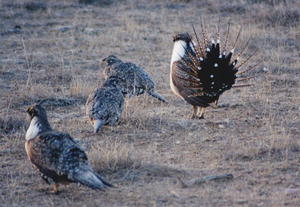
213	66
106	183
90	179
158	96
98	124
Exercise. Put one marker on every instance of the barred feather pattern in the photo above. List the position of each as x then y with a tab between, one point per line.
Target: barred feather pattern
105	104
57	156
61	155
133	80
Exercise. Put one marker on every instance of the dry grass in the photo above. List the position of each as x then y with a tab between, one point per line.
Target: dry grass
112	156
52	51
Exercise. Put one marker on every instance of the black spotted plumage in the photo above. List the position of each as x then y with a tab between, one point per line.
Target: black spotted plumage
202	72
56	155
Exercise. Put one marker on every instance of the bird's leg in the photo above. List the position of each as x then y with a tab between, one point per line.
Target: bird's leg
216	102
201	115
195	112
126	107
54	188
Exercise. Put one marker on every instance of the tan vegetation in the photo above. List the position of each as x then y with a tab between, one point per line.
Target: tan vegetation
52	51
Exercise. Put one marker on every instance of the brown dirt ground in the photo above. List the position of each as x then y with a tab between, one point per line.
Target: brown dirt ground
52	51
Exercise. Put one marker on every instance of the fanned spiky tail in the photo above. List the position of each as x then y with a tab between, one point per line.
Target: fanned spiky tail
215	71
158	96
90	179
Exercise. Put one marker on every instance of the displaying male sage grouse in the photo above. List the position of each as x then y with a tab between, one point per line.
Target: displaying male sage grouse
56	155
105	105
200	72
135	80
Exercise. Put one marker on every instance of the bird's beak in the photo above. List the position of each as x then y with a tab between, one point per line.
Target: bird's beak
174	38
29	109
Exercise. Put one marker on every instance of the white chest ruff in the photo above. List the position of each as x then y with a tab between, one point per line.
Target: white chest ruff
173	87
33	129
179	51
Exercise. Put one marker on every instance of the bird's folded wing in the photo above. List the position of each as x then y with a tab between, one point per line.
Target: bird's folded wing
48	151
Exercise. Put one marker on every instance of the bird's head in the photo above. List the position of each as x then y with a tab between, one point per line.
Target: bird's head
182	43
186	37
38	121
36	110
108	64
111	60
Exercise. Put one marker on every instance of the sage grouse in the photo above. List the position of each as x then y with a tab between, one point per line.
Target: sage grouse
105	105
56	155
135	80
200	72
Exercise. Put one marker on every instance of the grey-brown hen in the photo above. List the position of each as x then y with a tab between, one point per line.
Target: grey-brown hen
56	155
105	105
135	81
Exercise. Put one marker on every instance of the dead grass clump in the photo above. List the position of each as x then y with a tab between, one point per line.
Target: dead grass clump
53	80
181	1
10	125
265	154
284	83
34	6
112	156
278	16
233	9
151	170
59	102
290	17
32	92
269	2
97	2
81	88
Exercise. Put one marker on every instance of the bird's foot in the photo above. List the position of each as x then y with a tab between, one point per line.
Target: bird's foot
193	116
201	117
54	188
215	106
197	117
